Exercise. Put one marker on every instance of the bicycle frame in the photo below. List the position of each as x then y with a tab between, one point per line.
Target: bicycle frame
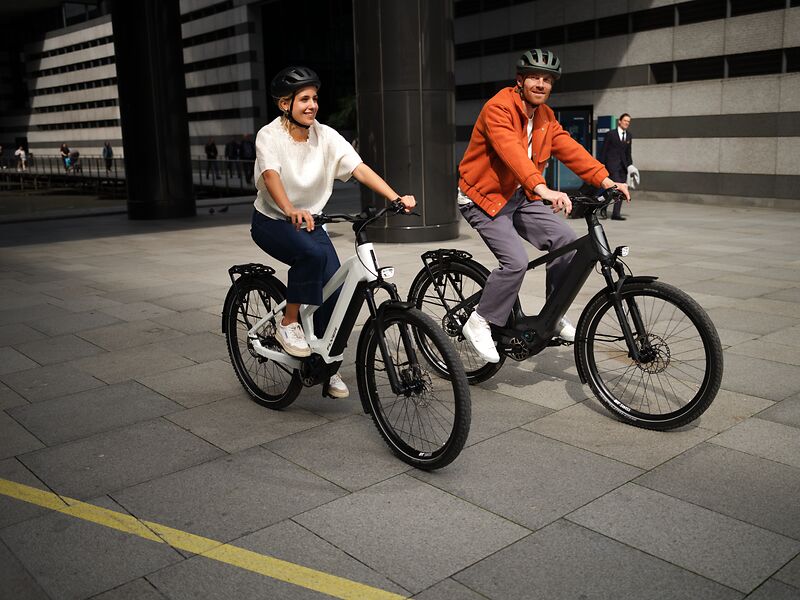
352	276
537	331
359	277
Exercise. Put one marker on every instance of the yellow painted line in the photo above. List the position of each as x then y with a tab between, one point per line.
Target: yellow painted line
325	583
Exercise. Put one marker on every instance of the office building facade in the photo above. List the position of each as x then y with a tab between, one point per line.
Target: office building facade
713	86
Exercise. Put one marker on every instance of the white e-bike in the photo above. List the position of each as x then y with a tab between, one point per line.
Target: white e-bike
424	416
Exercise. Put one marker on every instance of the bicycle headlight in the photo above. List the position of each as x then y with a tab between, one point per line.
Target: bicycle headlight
387	272
622	251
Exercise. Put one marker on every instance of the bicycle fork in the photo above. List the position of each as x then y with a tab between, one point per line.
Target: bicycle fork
638	332
400	385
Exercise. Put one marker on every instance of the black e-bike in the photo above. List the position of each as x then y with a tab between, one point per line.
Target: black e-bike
648	351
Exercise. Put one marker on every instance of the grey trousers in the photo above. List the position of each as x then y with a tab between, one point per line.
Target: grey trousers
519	219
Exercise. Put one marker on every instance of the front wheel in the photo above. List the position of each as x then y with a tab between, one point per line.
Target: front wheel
426	422
680	362
269	383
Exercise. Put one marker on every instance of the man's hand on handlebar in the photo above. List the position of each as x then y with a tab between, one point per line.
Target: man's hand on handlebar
297	217
559	200
622	187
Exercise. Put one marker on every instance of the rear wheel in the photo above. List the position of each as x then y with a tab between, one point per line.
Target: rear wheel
451	284
269	383
680	367
426	422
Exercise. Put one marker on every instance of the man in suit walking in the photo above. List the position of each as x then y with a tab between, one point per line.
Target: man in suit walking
616	156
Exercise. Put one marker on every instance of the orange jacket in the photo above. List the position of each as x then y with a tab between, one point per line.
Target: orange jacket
496	160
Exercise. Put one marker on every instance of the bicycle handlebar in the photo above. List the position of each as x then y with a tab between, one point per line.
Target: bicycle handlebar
366	216
604	198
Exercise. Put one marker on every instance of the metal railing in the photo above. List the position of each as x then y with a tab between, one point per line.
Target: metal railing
215	177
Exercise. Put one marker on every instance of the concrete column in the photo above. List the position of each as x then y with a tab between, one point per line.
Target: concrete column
152	103
405	84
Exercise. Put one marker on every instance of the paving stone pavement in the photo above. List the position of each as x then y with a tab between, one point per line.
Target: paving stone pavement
116	389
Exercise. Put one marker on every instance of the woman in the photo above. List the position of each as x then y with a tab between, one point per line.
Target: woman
297	160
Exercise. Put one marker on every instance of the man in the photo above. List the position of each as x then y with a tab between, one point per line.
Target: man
501	189
616	156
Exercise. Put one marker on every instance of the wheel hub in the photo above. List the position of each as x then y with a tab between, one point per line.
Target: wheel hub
415	382
654	355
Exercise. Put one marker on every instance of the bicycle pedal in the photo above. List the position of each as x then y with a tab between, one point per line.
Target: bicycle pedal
556	341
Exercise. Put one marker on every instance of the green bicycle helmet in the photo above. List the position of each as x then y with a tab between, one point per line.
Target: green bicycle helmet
539	61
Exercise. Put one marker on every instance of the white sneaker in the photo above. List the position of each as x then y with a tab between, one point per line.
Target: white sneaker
566	330
337	388
293	340
477	331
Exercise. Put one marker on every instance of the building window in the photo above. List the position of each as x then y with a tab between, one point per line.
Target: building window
611	26
468	50
701	10
746	7
579	32
661	72
712	67
524	41
206	11
654	18
467	7
755	63
792	60
495	4
553	36
497	45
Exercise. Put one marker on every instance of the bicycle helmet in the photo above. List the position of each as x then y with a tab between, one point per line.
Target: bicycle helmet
539	61
289	81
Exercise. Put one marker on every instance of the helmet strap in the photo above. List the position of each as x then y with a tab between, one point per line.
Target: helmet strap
289	115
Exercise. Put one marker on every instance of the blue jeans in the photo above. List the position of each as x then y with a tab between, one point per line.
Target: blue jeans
311	258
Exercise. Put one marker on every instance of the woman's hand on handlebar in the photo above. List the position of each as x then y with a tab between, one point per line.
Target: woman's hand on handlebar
298	217
559	200
409	202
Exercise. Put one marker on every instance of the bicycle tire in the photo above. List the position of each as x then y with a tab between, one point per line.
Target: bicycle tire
267	382
683	373
428	426
460	281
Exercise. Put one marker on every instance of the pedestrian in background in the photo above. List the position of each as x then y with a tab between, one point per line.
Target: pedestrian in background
108	156
617	157
64	151
211	157
22	159
232	158
248	156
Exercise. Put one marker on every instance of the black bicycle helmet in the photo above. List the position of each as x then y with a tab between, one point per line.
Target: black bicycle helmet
291	79
539	61
288	82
